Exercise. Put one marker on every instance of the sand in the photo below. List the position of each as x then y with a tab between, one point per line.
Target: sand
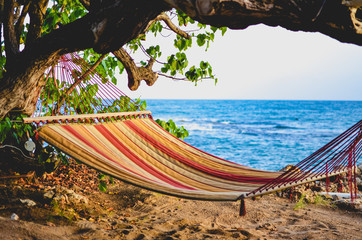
155	216
70	206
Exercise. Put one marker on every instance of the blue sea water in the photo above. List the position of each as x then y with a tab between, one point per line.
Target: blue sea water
264	134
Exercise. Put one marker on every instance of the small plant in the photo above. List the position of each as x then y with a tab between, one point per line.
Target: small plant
320	200
102	186
301	203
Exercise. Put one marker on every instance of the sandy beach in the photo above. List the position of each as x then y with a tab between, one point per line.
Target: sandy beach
78	210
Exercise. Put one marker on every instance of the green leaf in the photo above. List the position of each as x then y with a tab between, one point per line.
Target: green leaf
102	186
201	40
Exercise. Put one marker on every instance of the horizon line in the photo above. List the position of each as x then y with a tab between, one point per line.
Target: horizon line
236	99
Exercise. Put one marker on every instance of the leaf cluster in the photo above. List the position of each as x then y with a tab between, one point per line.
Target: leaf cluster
176	65
170	126
62	12
12	130
103	182
109	68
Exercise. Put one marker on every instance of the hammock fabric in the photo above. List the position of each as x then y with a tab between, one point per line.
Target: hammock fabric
131	146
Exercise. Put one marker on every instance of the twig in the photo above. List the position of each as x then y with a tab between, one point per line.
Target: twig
181	79
29	175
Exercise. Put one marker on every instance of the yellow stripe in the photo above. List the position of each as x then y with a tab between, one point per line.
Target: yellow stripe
206	161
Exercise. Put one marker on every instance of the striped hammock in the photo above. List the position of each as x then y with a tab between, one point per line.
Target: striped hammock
131	146
134	148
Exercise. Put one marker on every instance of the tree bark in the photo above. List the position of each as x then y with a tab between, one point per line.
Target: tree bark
136	74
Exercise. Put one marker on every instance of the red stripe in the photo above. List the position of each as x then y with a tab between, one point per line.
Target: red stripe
188	162
80	137
224	160
129	153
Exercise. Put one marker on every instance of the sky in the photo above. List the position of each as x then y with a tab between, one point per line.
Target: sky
263	62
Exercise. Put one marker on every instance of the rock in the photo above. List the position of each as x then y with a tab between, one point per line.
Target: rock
287	168
28	202
14	217
336	197
86	225
49	194
347	204
67	196
358	180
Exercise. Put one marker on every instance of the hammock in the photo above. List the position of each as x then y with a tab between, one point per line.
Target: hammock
132	147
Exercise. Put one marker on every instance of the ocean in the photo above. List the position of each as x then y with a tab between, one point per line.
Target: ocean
263	134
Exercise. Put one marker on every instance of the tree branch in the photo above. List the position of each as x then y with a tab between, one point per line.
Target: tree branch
36	13
334	19
182	79
163	17
17	11
20	23
136	74
10	39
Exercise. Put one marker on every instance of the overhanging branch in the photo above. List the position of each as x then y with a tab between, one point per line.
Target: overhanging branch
136	74
37	13
334	18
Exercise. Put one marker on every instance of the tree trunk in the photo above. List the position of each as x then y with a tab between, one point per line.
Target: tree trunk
20	88
108	26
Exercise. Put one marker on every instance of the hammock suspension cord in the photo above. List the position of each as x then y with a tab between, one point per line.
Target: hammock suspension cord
77	94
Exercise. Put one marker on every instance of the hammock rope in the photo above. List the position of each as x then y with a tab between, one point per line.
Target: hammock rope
90	119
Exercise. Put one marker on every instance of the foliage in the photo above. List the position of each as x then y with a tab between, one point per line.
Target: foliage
170	126
321	200
177	63
62	12
12	130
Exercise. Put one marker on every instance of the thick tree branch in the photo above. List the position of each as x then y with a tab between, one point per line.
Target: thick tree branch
20	22
10	39
17	11
136	74
334	19
36	13
1	8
